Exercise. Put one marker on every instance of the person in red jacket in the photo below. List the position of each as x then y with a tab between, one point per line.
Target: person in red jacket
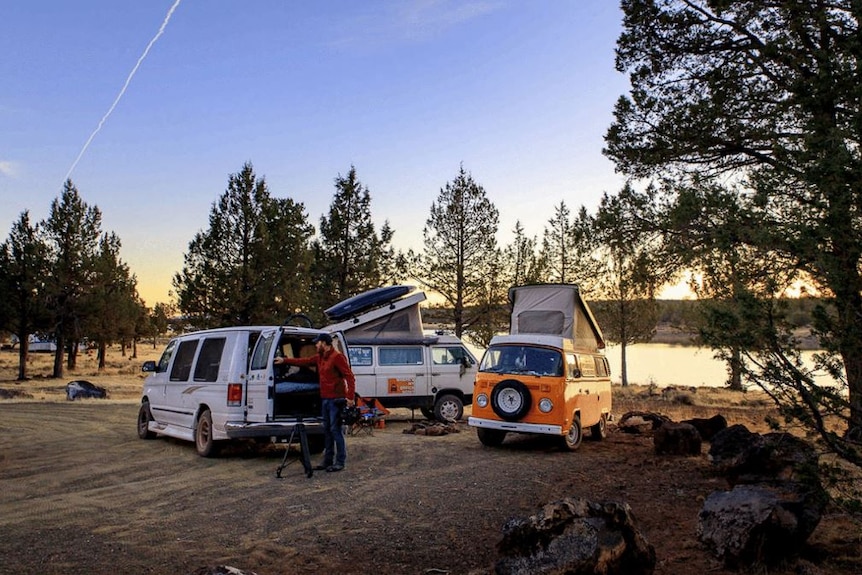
337	390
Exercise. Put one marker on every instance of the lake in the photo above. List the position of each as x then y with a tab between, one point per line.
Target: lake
681	365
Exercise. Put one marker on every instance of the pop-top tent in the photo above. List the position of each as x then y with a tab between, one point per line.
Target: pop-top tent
554	309
390	313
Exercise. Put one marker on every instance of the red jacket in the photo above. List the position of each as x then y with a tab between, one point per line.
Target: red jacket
332	369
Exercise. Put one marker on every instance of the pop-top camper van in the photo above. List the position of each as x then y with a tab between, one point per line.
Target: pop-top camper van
548	375
395	361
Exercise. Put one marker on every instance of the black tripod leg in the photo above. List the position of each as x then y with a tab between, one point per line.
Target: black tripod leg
306	455
286	452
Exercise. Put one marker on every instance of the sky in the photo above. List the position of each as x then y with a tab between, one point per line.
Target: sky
150	105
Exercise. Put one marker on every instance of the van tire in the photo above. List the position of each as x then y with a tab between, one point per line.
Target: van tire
204	443
428	412
599	431
572	439
515	393
145	416
448	408
490	437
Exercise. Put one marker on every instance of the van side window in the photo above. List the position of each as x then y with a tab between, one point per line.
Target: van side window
183	363
602	367
446	355
165	360
360	356
572	370
400	356
209	359
260	358
588	365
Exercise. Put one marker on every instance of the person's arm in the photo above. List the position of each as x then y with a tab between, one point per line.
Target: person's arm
343	368
300	361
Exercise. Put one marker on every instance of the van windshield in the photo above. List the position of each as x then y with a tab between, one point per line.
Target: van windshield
522	359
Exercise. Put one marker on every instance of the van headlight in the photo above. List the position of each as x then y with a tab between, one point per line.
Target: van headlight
482	400
546	405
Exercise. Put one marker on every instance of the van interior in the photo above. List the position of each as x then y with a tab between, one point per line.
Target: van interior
297	389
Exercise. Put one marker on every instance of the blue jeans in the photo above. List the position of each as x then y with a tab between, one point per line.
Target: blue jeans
335	450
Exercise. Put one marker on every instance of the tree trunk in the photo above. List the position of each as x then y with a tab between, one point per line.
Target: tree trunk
624	371
734	366
58	355
103	347
23	355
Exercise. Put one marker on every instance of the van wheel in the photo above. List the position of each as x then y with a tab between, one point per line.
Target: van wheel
448	408
572	439
511	399
600	430
204	442
145	416
491	437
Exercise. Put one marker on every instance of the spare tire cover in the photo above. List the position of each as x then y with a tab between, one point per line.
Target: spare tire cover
511	399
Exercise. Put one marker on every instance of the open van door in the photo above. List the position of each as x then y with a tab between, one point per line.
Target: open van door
259	394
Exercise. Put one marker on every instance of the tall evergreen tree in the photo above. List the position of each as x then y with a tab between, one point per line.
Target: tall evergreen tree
624	271
461	254
111	306
558	246
251	265
523	263
71	233
24	271
350	256
767	95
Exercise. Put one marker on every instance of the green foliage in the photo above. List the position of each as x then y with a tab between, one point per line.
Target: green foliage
461	259
749	112
349	256
252	265
24	271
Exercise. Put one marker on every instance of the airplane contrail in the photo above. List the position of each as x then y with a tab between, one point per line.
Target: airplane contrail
125	86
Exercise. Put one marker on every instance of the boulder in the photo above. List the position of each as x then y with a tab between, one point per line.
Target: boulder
577	537
677	439
775	503
750	458
758	524
641	422
707	427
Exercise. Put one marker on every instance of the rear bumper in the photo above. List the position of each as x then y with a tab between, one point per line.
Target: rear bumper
515	426
244	430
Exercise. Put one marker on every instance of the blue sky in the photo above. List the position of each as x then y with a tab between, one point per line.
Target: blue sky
520	92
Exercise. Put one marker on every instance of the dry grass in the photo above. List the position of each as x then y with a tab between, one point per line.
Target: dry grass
121	376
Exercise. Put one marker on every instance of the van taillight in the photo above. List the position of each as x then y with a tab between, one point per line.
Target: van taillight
234	394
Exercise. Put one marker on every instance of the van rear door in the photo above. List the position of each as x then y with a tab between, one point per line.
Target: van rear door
259	397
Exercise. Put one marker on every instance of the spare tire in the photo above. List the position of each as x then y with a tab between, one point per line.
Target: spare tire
511	400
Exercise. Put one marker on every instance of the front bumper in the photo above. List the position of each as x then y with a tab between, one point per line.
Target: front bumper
515	426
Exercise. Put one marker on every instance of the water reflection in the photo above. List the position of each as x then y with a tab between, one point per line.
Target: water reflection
665	364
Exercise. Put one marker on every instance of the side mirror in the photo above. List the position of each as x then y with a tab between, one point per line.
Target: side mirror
149	366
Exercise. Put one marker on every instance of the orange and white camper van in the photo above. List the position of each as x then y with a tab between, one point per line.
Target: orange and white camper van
548	375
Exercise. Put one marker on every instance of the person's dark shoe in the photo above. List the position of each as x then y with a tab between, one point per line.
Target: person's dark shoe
322	467
333	468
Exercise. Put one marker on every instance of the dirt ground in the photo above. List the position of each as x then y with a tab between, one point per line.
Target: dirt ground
82	494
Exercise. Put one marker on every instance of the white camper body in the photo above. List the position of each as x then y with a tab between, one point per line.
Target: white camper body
395	362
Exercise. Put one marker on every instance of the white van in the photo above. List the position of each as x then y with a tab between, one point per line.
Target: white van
433	374
221	384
